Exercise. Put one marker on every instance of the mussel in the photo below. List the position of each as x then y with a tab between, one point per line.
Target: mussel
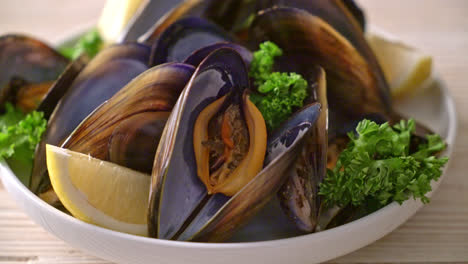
357	12
299	195
126	128
354	87
184	37
212	152
61	86
29	69
198	56
337	14
230	15
102	77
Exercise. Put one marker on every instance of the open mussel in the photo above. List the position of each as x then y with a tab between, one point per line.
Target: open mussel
126	128
208	176
29	69
102	77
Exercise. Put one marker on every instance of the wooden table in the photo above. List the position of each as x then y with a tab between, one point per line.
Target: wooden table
438	233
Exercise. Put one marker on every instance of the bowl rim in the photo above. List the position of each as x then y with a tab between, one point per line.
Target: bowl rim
448	102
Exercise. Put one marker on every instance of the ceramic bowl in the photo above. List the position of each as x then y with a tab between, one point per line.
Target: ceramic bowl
262	240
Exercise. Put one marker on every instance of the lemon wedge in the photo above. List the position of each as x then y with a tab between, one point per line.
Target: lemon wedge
100	192
115	16
405	68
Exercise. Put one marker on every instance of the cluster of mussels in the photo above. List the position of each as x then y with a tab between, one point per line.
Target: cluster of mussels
176	106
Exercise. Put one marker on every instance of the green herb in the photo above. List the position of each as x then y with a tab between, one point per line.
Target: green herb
279	93
377	166
263	60
20	132
90	43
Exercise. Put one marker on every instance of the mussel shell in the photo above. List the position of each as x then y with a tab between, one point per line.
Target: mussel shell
354	87
220	218
134	141
173	199
198	56
131	51
229	14
144	18
27	59
102	77
184	37
338	15
299	195
96	88
60	87
357	12
154	91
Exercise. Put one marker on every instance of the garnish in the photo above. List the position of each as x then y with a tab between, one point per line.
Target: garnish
90	43
278	93
263	60
378	166
20	133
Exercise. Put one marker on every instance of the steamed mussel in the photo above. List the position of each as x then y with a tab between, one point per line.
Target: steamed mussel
102	77
187	160
29	70
178	107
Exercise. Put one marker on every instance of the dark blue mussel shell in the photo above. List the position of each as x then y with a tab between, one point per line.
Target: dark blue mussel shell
198	56
126	128
184	37
104	76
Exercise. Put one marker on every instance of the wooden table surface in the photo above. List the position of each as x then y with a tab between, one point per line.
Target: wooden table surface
436	234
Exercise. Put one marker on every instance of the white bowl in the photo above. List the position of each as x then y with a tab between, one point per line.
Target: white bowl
435	108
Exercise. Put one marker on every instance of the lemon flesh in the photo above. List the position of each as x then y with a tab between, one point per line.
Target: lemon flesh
115	16
405	68
100	192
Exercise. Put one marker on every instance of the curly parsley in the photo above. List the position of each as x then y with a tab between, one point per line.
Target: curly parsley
90	43
278	93
377	165
19	135
20	131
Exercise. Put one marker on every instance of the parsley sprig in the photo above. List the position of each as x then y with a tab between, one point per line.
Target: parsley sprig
377	166
279	93
90	43
18	130
19	135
